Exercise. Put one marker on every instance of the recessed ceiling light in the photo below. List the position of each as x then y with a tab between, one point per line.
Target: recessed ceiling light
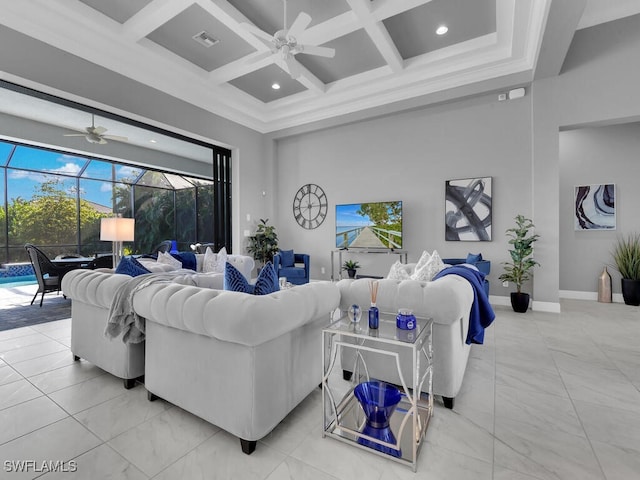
276	86
442	29
153	141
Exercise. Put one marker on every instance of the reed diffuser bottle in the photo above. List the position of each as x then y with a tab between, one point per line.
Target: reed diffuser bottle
374	315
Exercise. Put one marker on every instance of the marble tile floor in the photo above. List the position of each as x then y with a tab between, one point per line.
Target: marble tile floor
548	396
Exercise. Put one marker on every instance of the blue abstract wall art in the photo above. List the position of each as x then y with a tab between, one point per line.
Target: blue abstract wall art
595	207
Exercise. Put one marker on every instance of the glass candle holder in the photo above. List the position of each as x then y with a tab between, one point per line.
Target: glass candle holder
354	313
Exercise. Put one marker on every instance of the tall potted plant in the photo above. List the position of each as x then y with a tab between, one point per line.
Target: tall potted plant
519	269
626	255
263	245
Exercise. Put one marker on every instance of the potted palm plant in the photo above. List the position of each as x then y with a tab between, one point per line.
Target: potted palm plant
518	270
263	245
626	255
351	266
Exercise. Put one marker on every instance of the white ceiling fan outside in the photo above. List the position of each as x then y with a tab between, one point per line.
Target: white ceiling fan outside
96	135
284	44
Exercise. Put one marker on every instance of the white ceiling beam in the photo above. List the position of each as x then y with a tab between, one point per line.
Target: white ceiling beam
152	16
238	68
378	34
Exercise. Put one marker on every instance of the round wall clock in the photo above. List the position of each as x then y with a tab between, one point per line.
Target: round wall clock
310	206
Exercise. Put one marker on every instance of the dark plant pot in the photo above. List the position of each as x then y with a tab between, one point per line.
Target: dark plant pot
631	291
351	273
519	302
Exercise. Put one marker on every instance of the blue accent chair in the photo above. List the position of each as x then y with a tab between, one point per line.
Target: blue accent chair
298	274
483	266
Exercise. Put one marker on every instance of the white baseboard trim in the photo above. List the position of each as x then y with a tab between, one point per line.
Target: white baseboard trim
578	295
553	307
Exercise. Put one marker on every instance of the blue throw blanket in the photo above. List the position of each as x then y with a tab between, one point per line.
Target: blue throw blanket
481	315
188	260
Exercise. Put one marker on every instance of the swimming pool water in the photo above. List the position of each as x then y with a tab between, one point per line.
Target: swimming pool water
10	282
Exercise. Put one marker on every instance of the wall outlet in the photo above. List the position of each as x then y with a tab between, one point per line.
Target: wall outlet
505	284
322	270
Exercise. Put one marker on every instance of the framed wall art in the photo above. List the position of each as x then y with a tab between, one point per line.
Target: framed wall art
594	207
468	209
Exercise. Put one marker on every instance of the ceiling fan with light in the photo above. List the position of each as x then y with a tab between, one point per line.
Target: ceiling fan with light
95	134
283	44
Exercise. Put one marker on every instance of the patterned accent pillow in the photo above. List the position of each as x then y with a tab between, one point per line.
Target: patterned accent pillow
235	281
130	266
267	281
398	271
287	258
168	259
213	263
429	269
424	258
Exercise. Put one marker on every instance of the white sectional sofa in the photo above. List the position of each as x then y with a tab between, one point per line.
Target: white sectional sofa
447	300
239	361
92	292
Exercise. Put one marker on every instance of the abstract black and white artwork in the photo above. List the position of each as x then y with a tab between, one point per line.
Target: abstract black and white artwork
468	209
595	207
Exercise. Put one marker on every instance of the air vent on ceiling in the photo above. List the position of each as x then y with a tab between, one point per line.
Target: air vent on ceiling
204	39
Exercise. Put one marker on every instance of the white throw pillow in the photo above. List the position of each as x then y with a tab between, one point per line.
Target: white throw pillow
154	267
221	260
426	272
213	263
424	258
168	259
398	271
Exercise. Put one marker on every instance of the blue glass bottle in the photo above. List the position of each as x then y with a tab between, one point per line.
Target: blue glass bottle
374	317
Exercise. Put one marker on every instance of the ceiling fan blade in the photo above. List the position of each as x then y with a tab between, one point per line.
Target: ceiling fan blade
116	137
298	26
262	35
319	51
74	134
293	67
99	130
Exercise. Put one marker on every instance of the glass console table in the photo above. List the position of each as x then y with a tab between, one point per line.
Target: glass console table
343	417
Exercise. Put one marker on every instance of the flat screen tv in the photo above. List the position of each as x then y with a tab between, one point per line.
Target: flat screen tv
369	225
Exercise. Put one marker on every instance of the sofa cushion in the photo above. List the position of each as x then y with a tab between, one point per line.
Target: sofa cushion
130	266
287	258
267	281
473	258
292	272
235	281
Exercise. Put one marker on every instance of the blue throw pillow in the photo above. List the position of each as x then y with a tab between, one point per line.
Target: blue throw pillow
267	281
188	260
287	258
132	267
473	258
235	281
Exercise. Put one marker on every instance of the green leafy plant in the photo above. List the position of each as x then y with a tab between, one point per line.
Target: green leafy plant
518	270
350	265
626	255
263	245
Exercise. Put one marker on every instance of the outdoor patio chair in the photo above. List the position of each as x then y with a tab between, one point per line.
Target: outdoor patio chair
48	274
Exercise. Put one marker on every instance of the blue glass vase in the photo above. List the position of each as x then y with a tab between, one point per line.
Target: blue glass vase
378	400
374	317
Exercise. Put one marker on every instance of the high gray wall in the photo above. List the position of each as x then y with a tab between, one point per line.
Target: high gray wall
591	156
598	85
409	157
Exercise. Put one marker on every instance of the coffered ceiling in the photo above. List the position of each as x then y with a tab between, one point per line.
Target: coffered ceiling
386	50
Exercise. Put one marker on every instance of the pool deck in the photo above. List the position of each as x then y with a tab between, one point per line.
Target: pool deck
16	311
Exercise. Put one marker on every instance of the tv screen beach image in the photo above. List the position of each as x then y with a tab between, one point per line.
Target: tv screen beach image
369	225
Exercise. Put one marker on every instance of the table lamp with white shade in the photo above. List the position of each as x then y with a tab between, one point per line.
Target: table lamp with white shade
117	230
